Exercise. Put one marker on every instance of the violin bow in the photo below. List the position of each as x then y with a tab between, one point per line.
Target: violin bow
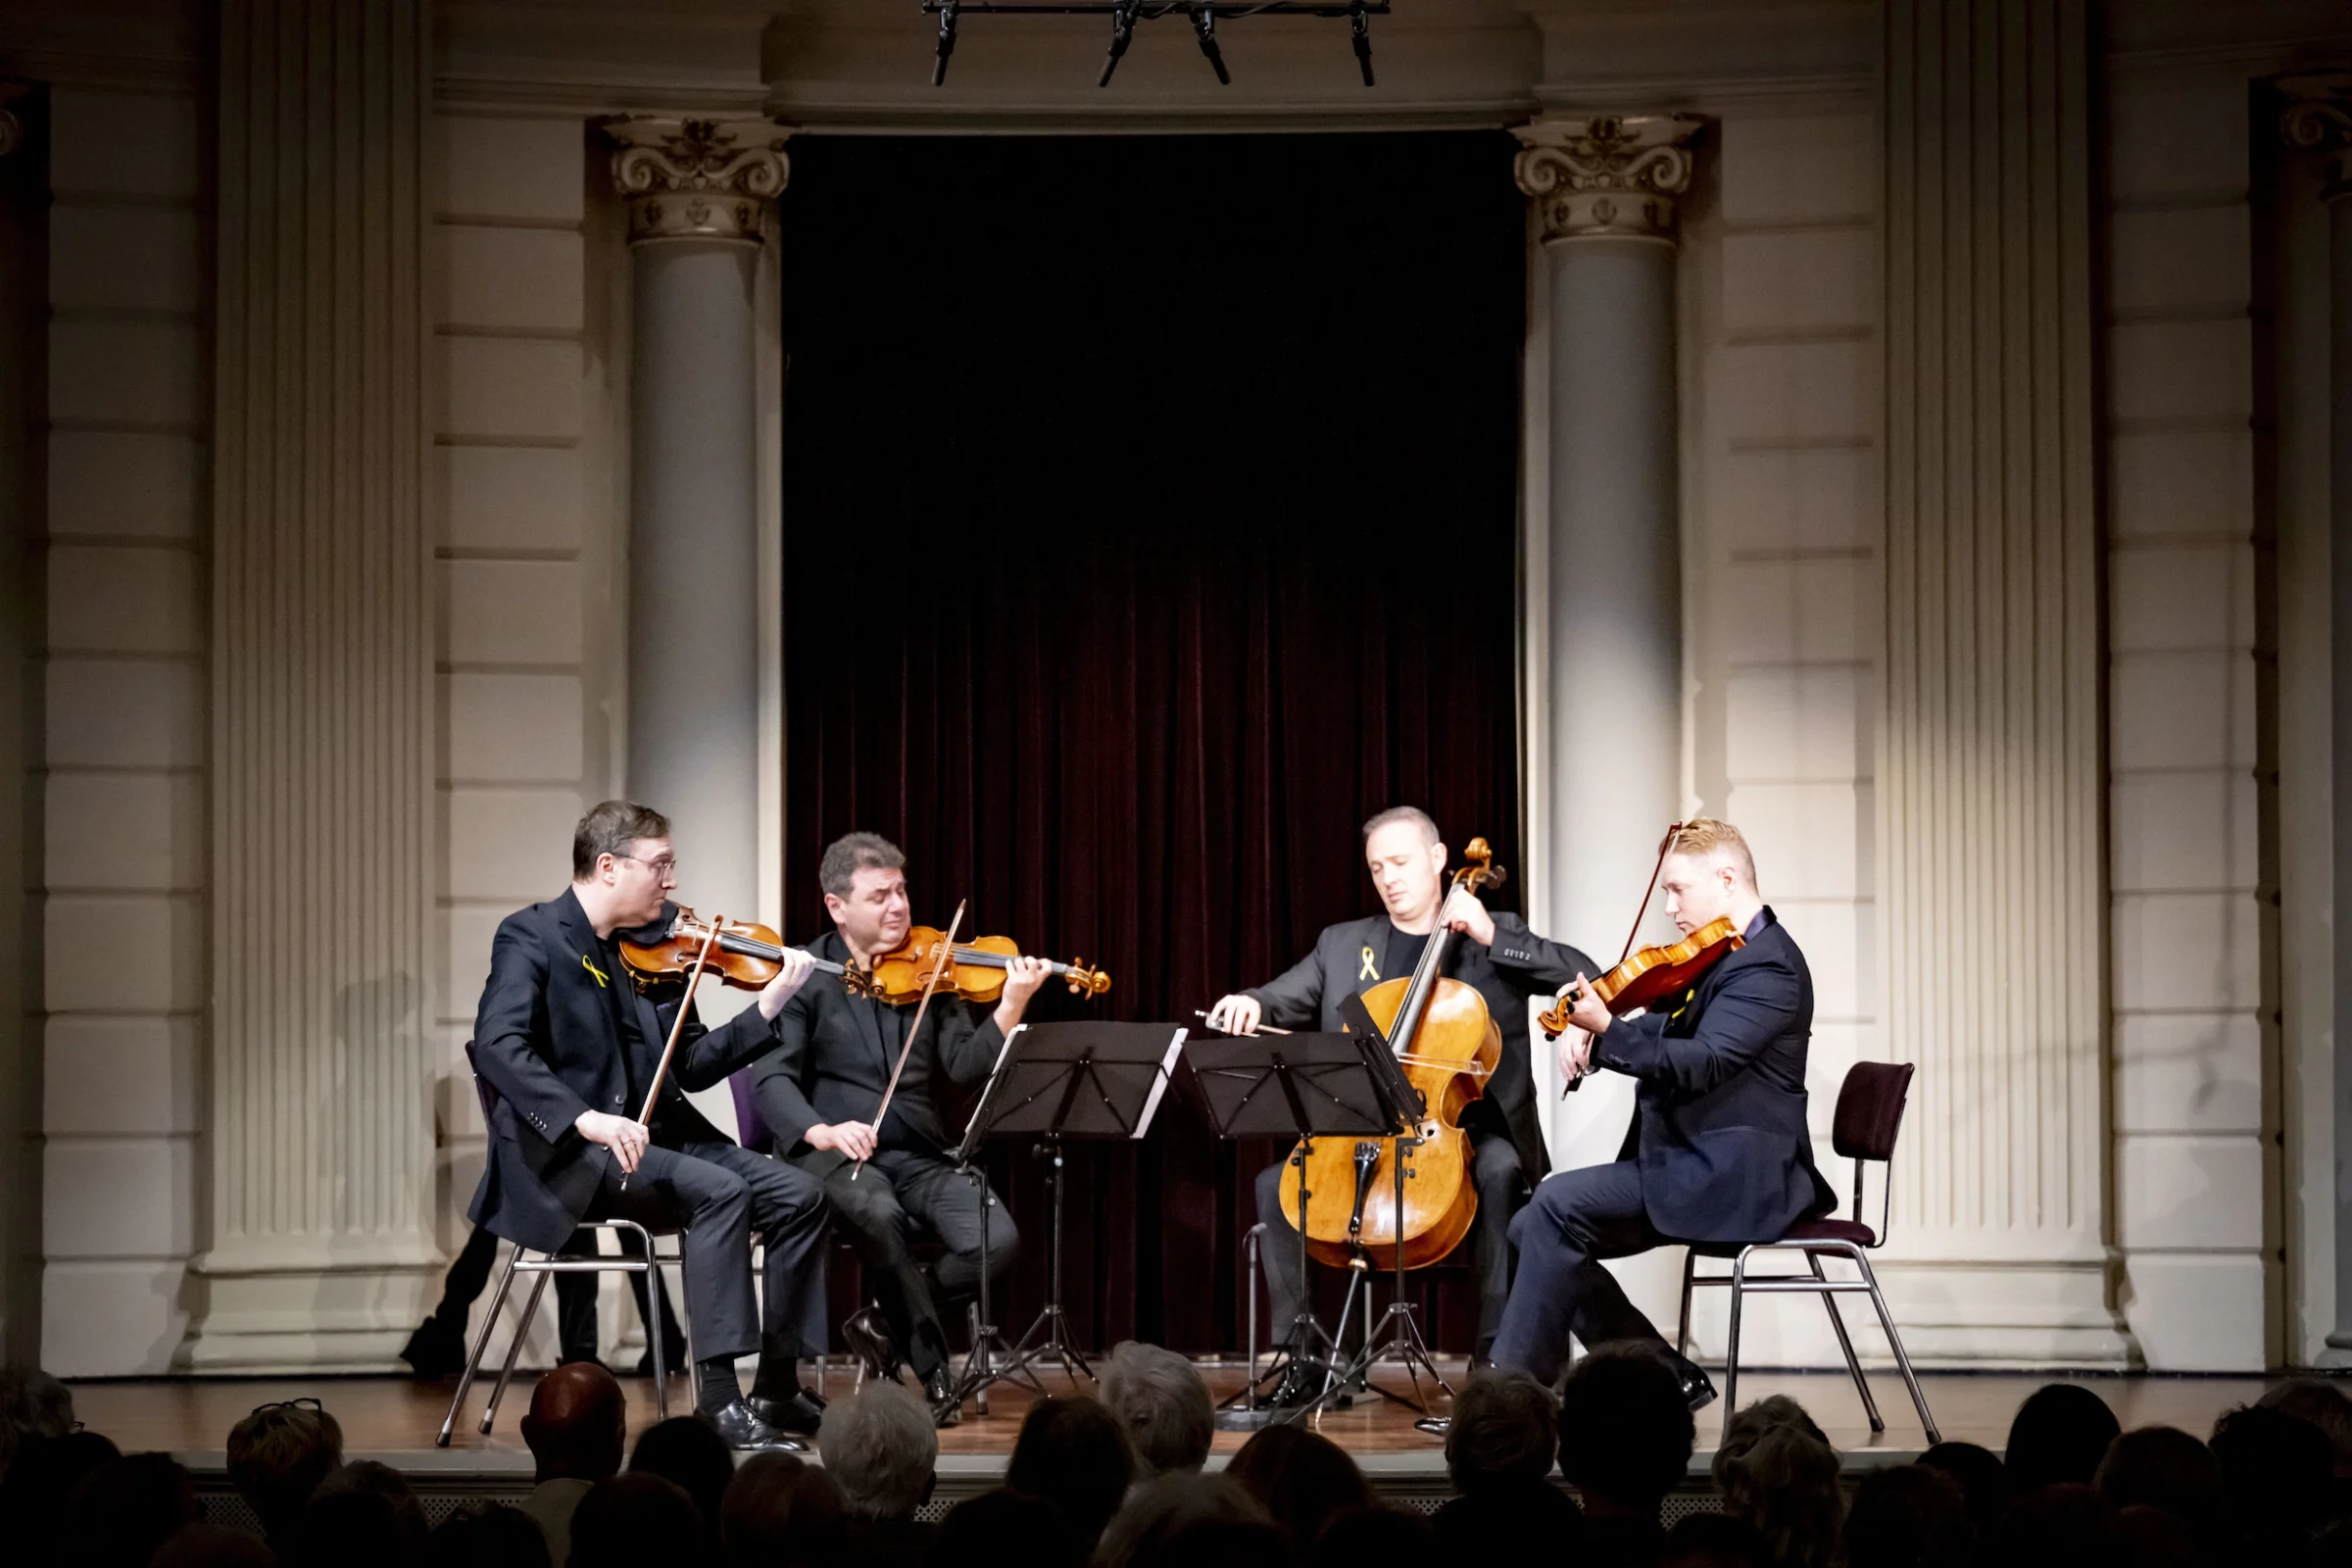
645	1117
938	966
1674	831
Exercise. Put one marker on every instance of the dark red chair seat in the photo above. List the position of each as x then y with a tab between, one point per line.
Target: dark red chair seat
1831	1230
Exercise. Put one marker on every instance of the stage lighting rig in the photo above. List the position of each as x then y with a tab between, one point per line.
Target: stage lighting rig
1125	14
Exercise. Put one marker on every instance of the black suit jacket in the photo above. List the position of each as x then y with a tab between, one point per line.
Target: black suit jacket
1519	965
834	1053
547	1039
1719	1121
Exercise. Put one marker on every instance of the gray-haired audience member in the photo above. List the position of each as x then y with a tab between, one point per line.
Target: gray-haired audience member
33	1405
276	1457
881	1444
1163	1403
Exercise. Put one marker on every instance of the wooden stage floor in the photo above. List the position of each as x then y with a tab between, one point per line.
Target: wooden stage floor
395	1420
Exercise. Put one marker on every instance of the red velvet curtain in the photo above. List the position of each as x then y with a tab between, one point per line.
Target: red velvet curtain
1150	523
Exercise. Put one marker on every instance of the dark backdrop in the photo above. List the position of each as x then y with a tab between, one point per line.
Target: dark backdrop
1149	519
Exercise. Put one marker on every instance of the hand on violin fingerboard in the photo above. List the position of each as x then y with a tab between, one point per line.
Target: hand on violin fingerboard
1586	1010
793	971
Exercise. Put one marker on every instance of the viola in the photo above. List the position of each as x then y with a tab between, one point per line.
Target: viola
743	953
1650	976
975	969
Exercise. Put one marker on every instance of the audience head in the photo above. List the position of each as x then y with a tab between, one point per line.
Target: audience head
1626	1432
1006	1529
780	1512
2166	1469
1984	1481
2059	1434
1909	1516
1160	1398
879	1443
635	1518
1505	1429
1301	1478
2321	1404
577	1423
1362	1538
363	1513
1182	1521
34	1493
205	1545
2066	1525
1714	1541
276	1457
688	1449
33	1405
1073	1453
1777	1472
487	1534
124	1510
2276	1468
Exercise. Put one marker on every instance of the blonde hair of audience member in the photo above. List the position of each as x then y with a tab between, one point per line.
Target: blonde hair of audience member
881	1444
1160	1401
1777	1472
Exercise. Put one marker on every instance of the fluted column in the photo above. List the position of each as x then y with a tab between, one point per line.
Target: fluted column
1989	784
318	1140
697	193
2318	115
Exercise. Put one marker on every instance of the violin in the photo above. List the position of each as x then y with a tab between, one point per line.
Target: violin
975	969
1650	976
742	953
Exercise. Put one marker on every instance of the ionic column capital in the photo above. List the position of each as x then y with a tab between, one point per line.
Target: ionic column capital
1606	175
697	178
2318	115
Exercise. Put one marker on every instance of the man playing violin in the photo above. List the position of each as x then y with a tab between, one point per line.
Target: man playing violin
1718	1152
571	1046
1504	960
820	1089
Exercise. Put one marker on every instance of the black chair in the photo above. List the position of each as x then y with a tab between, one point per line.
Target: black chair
1870	1112
518	1262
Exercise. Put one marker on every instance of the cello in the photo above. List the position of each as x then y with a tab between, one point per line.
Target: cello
1447	1045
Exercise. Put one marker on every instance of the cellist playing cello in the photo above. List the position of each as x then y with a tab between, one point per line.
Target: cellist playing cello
1504	960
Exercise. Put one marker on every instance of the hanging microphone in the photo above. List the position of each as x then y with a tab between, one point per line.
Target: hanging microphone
947	42
1122	33
1205	23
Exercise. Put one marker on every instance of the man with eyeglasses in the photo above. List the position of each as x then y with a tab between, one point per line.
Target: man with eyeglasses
571	1046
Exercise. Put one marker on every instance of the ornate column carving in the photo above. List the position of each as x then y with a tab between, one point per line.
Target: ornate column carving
699	192
2318	117
318	1140
1989	780
1605	190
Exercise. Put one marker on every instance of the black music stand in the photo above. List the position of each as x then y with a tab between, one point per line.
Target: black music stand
1301	1086
1056	1081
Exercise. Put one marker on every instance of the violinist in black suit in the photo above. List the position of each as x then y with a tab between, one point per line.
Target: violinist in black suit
1719	1149
1504	960
570	1045
821	1087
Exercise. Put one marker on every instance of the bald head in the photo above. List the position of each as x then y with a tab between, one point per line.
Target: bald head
577	1419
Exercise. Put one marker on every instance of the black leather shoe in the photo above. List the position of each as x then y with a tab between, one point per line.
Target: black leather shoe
801	1413
434	1352
1698	1390
744	1430
674	1360
939	1392
867	1337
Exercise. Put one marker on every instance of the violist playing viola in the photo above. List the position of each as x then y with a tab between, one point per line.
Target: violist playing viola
1504	960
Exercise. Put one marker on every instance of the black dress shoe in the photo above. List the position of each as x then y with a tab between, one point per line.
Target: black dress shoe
939	1392
434	1351
801	1413
867	1337
744	1430
674	1360
1698	1390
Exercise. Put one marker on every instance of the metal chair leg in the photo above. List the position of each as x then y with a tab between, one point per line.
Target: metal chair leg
1902	1361
1854	1363
522	1328
653	1320
481	1343
1682	1334
1730	1365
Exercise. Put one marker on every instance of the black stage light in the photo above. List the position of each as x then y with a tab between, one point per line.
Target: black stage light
1360	24
1205	23
1122	33
947	42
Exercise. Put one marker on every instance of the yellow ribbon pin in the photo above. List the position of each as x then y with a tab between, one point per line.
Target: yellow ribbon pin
601	977
1368	971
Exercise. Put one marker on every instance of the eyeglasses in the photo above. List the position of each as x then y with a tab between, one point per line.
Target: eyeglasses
665	867
308	1401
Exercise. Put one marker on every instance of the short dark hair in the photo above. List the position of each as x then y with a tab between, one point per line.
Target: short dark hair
610	828
1506	1428
1625	1426
634	1518
1073	1453
1912	1515
688	1449
276	1457
780	1510
2059	1434
488	1534
853	853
